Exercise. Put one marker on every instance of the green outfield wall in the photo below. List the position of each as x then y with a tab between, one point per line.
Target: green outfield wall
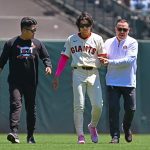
55	108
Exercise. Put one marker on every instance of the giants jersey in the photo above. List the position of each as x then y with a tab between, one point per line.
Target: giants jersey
84	52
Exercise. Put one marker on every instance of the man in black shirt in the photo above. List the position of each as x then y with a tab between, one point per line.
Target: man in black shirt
23	53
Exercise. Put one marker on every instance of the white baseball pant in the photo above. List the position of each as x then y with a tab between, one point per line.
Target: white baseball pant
86	81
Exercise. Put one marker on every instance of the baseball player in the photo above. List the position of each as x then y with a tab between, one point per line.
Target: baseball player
84	48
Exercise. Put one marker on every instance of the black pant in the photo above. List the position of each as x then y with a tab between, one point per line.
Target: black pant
16	93
114	94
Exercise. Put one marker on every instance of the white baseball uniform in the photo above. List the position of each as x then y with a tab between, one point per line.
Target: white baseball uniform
84	53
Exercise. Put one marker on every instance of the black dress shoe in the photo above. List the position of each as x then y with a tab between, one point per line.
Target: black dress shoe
114	140
128	135
30	140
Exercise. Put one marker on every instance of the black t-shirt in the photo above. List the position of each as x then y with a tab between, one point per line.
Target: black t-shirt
23	56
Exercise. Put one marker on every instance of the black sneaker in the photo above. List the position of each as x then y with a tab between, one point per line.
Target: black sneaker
128	134
13	138
30	140
114	140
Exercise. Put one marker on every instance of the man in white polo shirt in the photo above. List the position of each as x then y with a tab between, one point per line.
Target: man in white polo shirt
122	53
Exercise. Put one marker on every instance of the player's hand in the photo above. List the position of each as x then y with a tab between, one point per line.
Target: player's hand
103	57
48	70
103	60
55	83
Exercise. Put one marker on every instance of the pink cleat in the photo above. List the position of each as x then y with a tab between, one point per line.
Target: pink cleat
81	139
94	134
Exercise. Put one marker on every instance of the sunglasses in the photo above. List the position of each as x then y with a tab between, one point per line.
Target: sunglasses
32	30
122	29
84	25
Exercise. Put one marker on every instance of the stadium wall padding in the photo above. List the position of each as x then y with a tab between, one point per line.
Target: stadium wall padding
55	108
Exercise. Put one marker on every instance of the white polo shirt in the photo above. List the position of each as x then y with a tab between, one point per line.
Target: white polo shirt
122	65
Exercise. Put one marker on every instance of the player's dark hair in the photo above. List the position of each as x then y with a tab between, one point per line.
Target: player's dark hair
121	20
84	16
27	22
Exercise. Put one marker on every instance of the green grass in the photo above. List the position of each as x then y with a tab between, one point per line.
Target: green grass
69	142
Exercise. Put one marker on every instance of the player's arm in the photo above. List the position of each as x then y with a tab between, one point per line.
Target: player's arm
130	57
44	56
4	56
60	67
102	51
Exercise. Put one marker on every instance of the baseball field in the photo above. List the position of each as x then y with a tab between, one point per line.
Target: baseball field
69	142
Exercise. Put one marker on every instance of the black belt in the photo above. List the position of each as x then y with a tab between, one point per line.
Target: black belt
85	68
